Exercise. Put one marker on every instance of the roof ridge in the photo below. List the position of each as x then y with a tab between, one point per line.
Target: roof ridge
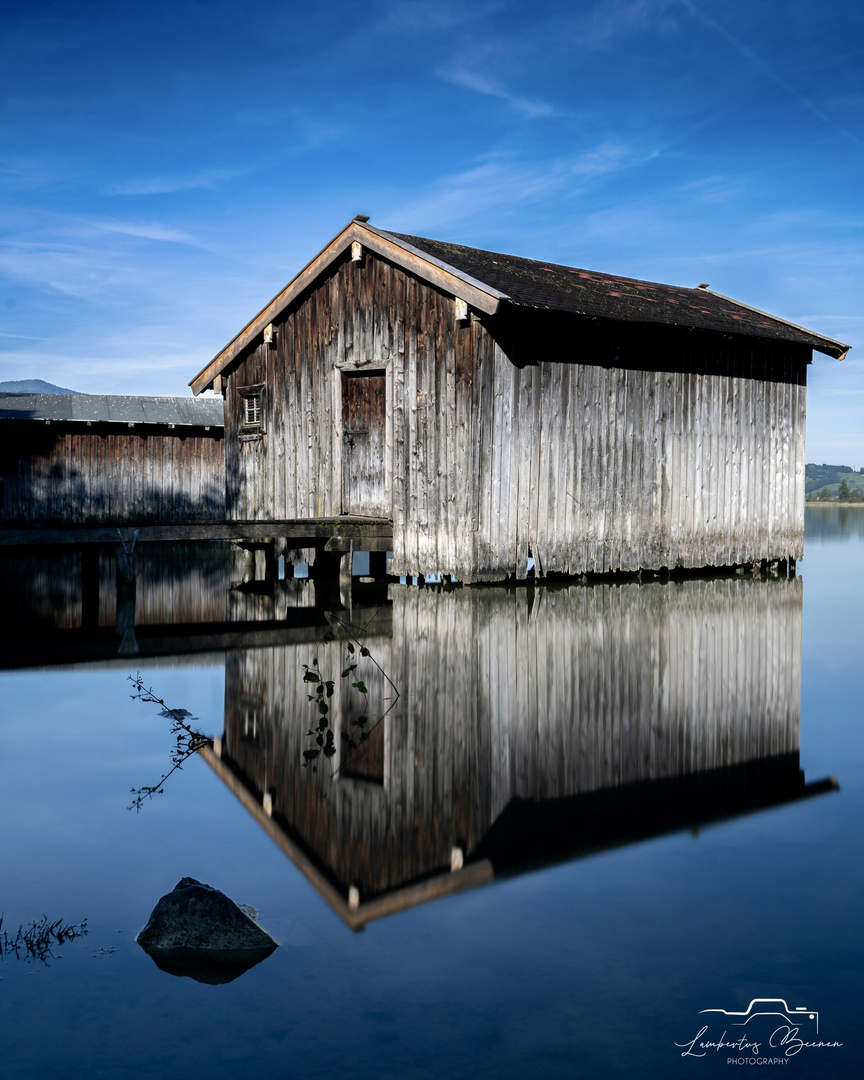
403	240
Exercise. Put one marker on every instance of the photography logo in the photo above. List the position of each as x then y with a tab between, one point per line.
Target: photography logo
767	1032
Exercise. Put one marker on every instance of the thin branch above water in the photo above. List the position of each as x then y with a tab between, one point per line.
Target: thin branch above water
188	740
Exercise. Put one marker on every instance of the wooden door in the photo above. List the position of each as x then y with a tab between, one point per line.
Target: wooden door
364	417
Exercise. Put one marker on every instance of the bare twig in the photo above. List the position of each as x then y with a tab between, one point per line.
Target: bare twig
187	739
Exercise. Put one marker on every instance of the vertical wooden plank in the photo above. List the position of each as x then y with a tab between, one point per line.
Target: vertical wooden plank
401	489
485	451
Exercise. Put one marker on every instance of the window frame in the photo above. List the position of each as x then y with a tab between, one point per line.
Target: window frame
249	430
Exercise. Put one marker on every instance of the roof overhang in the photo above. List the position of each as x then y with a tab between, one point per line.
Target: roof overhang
614	830
828	346
356	916
480	296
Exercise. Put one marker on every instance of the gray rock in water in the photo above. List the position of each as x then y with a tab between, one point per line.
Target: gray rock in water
199	932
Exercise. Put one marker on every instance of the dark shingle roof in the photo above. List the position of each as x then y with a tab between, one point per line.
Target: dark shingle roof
114	409
549	286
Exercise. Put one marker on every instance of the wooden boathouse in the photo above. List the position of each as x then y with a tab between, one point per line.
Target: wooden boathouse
92	459
494	408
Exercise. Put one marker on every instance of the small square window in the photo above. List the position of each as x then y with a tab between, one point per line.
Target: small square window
251	411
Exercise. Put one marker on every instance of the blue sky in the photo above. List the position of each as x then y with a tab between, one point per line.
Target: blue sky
167	168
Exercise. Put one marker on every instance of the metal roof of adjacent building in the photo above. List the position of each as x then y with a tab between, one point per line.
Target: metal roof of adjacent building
114	409
552	287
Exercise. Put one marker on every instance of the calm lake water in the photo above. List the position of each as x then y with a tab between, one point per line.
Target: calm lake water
582	815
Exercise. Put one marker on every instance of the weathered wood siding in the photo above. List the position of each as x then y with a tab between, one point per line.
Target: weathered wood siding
371	316
506	703
617	468
589	454
55	474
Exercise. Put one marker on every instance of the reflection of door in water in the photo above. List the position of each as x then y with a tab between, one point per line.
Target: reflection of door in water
364	485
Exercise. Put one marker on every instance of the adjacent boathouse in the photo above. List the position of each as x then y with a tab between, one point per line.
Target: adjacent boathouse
495	408
92	459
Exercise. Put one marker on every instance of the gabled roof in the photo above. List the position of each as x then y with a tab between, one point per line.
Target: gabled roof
486	280
552	287
114	409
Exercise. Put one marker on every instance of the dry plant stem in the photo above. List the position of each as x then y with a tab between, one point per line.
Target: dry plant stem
35	941
188	740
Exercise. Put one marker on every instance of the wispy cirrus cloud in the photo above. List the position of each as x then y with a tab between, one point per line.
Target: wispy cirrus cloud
756	61
19	337
80	256
599	26
71	269
143	230
502	184
530	108
167	185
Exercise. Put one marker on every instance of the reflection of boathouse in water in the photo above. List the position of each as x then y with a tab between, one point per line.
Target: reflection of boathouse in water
530	727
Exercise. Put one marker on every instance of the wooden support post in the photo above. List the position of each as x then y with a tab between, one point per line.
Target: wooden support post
325	571
124	619
346	566
259	555
326	564
378	564
271	562
90	586
244	563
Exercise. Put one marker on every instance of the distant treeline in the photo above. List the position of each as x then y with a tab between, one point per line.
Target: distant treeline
833	483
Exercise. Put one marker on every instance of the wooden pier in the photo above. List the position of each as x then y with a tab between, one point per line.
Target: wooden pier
98	603
334	534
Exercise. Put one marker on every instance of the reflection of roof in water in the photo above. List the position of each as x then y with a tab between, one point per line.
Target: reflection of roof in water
526	732
531	834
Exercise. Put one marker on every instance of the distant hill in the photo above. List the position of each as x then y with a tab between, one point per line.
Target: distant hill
33	386
826	479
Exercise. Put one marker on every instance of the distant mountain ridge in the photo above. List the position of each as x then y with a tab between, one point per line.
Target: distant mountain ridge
33	386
